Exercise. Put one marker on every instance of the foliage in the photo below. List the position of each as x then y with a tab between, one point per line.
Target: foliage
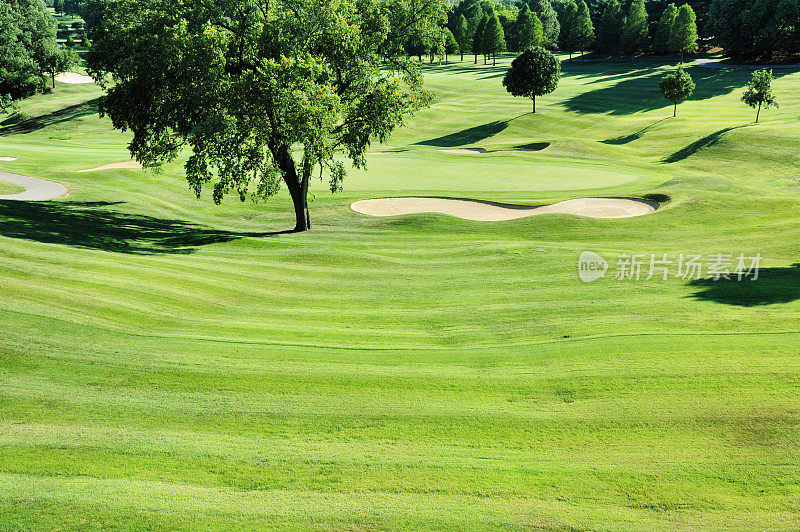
755	28
259	92
759	91
462	36
27	47
676	87
683	35
635	33
494	41
567	38
609	29
477	38
582	28
661	41
535	72
549	18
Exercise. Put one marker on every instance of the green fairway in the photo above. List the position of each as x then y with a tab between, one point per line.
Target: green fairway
168	363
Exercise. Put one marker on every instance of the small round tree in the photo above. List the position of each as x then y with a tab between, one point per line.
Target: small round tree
759	92
676	87
534	73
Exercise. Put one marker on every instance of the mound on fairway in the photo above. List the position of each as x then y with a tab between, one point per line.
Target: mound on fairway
114	166
73	78
35	189
483	211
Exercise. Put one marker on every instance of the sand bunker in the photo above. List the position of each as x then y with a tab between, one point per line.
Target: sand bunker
114	166
8	159
73	78
484	211
464	151
35	189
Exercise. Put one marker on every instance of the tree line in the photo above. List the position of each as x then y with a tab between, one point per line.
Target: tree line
766	29
29	53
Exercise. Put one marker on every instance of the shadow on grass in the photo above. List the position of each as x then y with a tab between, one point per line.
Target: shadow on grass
637	91
467	136
706	142
774	285
625	139
93	225
10	127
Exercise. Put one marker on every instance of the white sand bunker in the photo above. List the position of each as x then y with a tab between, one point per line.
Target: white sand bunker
35	189
484	211
8	159
73	78
464	151
114	166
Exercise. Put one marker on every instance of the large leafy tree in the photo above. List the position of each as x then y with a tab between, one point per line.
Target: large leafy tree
635	33
549	18
494	39
683	35
259	91
477	37
535	72
759	92
676	87
28	50
661	41
755	28
462	36
568	36
582	28
608	30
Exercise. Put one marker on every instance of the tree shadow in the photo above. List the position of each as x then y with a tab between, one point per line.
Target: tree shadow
625	139
638	94
93	225
470	135
10	127
774	285
706	142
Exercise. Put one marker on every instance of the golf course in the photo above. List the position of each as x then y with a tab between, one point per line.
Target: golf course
169	363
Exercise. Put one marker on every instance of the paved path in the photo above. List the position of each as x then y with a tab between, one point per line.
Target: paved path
714	63
35	189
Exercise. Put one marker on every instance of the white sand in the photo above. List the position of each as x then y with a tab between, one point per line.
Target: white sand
35	189
8	159
491	212
73	78
464	151
114	166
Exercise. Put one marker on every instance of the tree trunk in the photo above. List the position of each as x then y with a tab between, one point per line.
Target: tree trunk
476	59
298	187
534	104
758	113
462	57
675	110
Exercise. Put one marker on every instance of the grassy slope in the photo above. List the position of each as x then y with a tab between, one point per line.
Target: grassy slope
162	369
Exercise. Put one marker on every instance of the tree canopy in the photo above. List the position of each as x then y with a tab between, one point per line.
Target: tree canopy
635	33
608	30
259	91
661	41
535	72
549	19
494	40
582	28
759	92
28	49
676	87
683	35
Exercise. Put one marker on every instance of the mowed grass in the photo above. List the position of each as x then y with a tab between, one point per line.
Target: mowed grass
167	363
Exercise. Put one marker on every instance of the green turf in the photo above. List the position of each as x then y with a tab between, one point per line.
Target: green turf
164	366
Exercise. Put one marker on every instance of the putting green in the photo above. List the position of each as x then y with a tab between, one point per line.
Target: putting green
421	170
